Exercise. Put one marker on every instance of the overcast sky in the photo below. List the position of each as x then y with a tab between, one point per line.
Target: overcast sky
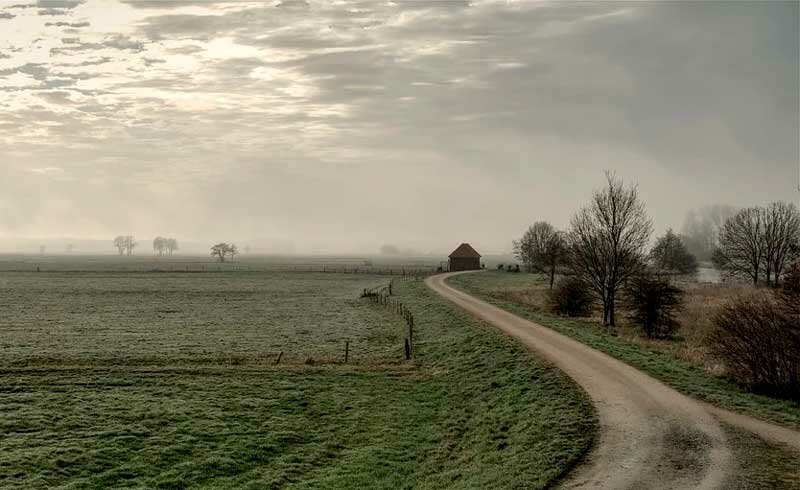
339	126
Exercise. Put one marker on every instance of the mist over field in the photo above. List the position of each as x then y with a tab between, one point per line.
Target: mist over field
307	127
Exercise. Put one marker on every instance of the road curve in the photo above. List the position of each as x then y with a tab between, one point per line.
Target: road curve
651	436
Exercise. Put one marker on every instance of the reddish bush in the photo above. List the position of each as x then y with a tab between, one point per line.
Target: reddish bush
758	340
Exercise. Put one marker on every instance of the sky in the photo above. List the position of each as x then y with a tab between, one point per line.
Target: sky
338	126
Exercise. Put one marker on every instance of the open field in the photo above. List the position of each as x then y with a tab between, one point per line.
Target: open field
681	363
168	380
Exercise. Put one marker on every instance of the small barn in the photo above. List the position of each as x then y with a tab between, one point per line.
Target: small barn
464	258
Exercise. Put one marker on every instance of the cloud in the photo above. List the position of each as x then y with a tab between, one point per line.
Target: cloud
67	24
506	110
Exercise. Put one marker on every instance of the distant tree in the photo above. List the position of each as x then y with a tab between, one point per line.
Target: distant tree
233	251
541	249
159	245
70	247
781	239
247	249
670	255
172	245
701	228
741	246
42	249
653	302
606	242
220	250
119	242
130	244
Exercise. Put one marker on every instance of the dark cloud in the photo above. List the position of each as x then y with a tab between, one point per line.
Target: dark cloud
117	41
58	4
67	24
6	15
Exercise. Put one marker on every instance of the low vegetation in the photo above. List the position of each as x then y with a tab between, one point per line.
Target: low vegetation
684	362
169	380
653	303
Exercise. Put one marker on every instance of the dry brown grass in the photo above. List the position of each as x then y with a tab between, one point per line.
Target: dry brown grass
701	302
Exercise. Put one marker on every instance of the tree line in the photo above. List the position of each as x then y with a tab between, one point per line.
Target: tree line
603	259
125	245
606	245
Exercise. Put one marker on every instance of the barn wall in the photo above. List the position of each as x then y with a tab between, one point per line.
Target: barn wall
465	264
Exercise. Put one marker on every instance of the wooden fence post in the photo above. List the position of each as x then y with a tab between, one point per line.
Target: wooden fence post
278	360
346	350
407	350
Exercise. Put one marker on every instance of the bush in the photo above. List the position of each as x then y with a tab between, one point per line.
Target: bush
758	340
571	298
501	267
653	302
791	280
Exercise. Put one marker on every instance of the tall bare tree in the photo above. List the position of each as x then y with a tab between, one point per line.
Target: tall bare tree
781	239
607	240
541	249
701	228
740	250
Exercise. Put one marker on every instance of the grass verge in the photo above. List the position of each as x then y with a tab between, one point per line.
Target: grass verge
508	291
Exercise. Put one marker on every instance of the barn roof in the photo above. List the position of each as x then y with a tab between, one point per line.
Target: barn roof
464	250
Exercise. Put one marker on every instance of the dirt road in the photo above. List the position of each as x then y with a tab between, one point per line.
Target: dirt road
651	436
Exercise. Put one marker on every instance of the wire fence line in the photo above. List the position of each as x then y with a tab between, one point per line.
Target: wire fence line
227	267
382	295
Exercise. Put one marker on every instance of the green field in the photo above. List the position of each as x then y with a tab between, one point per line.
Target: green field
512	291
168	380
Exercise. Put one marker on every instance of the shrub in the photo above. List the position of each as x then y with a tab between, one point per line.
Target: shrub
653	302
757	338
516	268
509	268
501	267
791	280
570	297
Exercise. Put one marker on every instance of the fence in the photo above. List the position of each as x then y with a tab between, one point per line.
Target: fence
382	295
221	267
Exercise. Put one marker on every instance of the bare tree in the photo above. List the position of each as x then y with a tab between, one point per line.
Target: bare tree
159	245
70	247
741	246
233	251
701	228
607	240
172	245
130	244
670	254
781	239
220	250
119	242
42	249
541	249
